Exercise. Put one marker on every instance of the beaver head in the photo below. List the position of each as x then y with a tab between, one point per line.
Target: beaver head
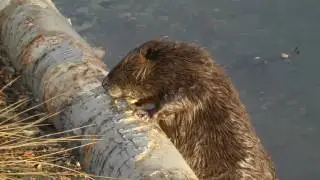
158	68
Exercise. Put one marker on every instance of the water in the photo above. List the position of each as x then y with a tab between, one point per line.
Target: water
246	36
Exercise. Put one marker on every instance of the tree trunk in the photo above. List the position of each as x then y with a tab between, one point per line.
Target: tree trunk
57	63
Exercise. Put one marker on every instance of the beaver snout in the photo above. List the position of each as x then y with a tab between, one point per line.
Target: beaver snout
114	90
106	82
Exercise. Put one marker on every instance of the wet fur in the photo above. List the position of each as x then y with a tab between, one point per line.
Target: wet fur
198	108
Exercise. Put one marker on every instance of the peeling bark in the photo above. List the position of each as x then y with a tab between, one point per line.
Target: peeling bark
57	63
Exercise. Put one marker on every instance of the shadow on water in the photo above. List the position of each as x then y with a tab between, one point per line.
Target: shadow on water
247	37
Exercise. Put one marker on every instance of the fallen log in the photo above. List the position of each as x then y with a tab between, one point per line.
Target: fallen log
63	71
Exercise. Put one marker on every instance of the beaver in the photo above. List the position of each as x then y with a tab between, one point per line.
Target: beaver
196	105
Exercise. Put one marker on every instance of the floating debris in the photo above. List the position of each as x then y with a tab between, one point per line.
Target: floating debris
284	55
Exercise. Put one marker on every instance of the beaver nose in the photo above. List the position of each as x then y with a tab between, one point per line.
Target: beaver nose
106	82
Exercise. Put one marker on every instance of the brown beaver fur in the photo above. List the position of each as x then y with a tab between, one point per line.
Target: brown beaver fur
197	107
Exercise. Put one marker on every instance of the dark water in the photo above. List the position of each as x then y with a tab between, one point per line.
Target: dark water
281	96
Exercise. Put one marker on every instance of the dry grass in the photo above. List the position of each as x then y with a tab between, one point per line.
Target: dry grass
27	150
24	152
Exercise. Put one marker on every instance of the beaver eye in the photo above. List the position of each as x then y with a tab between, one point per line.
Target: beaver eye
153	55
